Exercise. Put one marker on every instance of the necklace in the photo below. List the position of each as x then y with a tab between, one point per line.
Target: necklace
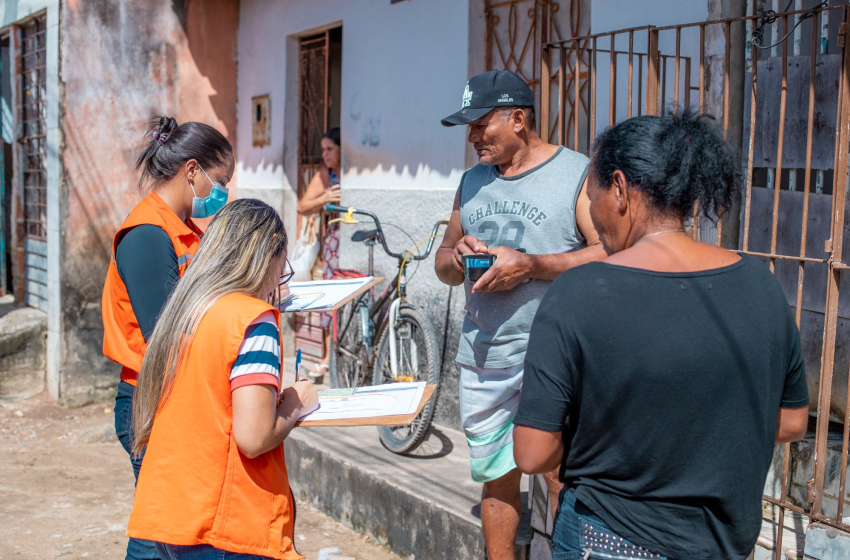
660	232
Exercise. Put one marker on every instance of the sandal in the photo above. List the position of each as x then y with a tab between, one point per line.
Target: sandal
319	369
317	374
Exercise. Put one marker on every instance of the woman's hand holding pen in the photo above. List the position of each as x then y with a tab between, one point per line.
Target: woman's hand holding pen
302	396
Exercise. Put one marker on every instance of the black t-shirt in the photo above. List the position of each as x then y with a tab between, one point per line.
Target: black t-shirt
670	384
147	263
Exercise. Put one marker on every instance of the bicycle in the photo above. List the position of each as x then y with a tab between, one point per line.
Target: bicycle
403	348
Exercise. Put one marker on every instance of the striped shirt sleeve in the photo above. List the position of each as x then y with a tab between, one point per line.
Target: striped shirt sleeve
258	362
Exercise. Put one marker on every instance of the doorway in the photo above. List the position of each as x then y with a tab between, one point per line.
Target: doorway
6	135
319	93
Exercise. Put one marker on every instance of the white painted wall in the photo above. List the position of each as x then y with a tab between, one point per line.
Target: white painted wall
404	67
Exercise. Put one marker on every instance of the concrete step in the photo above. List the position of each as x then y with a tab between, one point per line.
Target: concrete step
23	344
423	506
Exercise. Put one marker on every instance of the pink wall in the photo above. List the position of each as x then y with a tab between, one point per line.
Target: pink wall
122	62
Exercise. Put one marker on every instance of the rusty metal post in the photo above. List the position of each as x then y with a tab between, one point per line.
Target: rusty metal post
631	72
612	84
780	145
676	74
562	95
577	83
727	78
593	96
545	95
752	138
833	278
702	68
652	72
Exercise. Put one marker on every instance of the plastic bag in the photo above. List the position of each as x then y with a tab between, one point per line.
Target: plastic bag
305	250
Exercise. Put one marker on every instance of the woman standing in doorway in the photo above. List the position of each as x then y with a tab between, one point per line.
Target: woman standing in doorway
187	168
324	189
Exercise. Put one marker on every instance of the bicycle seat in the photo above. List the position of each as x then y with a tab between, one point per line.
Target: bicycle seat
365	235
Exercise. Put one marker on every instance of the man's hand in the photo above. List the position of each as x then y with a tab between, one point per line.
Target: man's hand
509	270
467	245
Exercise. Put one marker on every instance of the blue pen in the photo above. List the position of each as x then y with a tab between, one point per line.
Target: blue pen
297	363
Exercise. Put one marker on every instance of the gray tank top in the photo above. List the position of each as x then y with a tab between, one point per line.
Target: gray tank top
534	211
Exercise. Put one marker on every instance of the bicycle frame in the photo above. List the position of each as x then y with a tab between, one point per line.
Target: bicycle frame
386	307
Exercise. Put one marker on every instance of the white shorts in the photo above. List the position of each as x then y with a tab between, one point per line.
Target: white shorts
489	399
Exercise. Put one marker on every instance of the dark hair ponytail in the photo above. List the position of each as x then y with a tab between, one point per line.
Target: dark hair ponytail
333	136
172	145
676	160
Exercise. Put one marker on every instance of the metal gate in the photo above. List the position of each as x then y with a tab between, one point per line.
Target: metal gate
517	28
788	106
32	137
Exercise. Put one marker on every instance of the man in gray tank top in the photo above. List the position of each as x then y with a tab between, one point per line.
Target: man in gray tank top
524	203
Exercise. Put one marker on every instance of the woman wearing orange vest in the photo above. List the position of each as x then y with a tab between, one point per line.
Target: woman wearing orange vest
209	408
186	167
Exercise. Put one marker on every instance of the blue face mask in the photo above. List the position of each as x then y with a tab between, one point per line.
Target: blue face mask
215	201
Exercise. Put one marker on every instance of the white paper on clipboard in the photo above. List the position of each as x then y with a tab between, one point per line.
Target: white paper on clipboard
391	399
321	294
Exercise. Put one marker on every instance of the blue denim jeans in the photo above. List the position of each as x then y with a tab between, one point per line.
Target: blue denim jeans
201	552
137	549
580	535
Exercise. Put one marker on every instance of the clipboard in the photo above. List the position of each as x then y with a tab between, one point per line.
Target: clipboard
368	286
399	420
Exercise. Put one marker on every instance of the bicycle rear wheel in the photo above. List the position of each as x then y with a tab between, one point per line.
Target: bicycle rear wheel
352	355
418	360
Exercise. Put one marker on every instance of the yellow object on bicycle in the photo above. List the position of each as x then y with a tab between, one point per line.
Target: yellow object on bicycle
404	378
347	219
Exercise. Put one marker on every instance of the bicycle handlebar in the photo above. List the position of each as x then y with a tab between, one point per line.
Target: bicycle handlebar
335	208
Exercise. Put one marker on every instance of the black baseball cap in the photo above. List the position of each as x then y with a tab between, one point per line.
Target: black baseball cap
485	92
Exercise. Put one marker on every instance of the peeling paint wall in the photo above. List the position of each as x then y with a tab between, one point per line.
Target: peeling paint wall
123	61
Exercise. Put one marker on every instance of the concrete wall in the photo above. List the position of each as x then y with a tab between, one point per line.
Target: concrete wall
124	61
403	69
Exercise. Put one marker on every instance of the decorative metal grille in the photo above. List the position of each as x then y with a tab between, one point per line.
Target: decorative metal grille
312	105
515	31
31	118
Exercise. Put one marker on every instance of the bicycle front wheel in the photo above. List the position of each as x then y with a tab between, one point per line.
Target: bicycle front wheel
417	358
352	359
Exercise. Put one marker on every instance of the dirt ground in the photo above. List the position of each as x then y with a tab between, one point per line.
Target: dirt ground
66	489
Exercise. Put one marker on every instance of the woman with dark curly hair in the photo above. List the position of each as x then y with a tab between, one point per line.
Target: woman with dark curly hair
659	379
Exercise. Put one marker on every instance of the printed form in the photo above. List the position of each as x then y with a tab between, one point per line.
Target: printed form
392	399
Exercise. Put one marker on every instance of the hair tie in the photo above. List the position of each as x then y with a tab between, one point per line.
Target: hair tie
687	138
160	137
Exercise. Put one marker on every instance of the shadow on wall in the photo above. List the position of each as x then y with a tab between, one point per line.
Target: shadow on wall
123	62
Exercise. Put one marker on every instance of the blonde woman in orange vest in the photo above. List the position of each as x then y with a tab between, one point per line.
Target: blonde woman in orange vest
208	407
186	168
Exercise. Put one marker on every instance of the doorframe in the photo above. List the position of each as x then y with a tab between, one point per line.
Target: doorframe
53	168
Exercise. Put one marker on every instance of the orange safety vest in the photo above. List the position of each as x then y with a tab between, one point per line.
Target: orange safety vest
122	338
195	486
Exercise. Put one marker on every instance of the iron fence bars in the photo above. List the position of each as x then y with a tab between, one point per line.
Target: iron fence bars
30	100
31	119
834	247
515	31
313	97
790	113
